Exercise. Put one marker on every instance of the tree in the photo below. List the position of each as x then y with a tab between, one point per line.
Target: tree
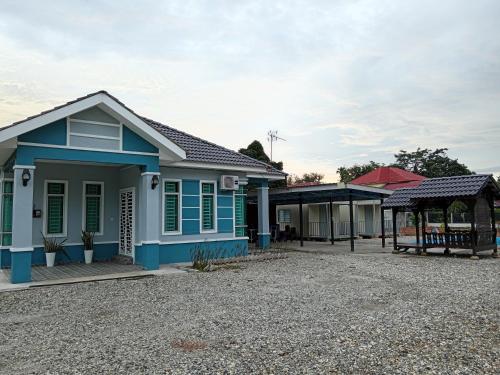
256	150
347	174
430	163
312	177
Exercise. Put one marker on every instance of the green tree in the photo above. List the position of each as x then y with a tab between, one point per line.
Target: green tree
430	163
347	174
313	177
256	150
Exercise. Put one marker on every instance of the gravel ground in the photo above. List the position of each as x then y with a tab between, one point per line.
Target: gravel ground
309	313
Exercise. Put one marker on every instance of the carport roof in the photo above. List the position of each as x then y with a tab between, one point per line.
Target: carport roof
337	192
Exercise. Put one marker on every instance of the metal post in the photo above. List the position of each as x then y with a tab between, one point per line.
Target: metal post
301	223
332	234
382	222
473	229
351	221
395	229
417	226
493	226
424	223
446	230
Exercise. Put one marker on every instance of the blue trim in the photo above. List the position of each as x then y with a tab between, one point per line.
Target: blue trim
21	267
191	187
53	133
147	255
190	227
133	142
264	241
102	252
176	253
26	155
225	201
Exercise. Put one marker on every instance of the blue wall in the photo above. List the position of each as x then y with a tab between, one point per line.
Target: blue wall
53	133
133	142
102	252
190	207
182	252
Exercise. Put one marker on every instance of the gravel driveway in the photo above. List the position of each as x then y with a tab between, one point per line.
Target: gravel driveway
309	313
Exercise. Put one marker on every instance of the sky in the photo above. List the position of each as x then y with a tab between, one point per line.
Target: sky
343	82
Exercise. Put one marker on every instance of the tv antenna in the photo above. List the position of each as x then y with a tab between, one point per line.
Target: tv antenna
272	136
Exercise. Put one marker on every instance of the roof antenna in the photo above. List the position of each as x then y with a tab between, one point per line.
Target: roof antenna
272	136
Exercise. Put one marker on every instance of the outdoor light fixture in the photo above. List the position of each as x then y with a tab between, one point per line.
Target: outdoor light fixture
26	176
154	182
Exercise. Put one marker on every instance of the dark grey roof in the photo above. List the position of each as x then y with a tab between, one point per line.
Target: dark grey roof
197	149
454	187
400	199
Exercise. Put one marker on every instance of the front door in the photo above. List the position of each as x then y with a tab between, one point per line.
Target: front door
127	222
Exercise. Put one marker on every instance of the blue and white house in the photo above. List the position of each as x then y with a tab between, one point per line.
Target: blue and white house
148	191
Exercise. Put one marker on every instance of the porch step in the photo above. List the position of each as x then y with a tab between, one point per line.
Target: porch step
123	259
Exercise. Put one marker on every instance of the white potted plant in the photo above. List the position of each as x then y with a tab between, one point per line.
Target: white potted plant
88	245
51	247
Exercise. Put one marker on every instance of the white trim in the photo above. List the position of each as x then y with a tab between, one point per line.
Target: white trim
87	149
191	195
263	188
224	218
234	213
263	234
124	190
192	207
149	242
95	136
192	219
203	240
84	207
95	122
262	172
179	204
23	167
227	206
215	195
150	173
109	105
66	244
65	209
20	249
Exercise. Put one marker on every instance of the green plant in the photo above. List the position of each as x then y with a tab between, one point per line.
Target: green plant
88	240
52	245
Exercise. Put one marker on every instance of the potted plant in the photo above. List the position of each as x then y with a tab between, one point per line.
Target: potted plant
88	245
51	247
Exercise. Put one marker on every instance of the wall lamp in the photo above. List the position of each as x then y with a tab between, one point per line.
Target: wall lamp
154	182
26	176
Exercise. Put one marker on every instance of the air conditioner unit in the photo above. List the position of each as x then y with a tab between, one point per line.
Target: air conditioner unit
229	182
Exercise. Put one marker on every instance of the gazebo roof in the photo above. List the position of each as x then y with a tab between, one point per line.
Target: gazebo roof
399	199
389	178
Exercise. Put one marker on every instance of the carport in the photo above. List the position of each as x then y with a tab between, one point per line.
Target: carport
327	194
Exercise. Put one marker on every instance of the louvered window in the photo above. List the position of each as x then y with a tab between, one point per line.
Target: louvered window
55	223
7	201
93	210
171	206
240	203
208	206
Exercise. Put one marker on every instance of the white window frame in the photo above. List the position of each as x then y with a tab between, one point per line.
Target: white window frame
235	193
65	212
2	180
69	133
179	202
215	206
84	210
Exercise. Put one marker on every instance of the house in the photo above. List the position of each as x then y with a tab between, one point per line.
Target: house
390	178
148	191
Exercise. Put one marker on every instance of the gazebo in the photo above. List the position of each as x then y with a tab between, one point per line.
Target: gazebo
477	192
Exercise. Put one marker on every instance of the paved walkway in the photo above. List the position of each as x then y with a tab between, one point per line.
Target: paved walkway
79	272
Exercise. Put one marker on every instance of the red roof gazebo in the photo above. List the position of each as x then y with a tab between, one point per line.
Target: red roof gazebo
391	178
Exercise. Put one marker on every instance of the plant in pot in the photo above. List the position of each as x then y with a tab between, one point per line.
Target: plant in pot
88	245
51	247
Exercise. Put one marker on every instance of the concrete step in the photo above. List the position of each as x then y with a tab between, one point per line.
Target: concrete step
123	259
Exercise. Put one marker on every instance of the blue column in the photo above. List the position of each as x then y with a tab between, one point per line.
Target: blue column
263	215
149	221
22	225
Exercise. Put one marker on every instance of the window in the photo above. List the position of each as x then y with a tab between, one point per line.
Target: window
240	215
7	202
94	135
171	206
55	208
284	216
93	207
208	209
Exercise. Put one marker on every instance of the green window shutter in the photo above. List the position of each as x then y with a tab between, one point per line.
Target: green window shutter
207	188
171	187
55	214
55	188
240	203
7	204
207	212
93	189
93	214
171	223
